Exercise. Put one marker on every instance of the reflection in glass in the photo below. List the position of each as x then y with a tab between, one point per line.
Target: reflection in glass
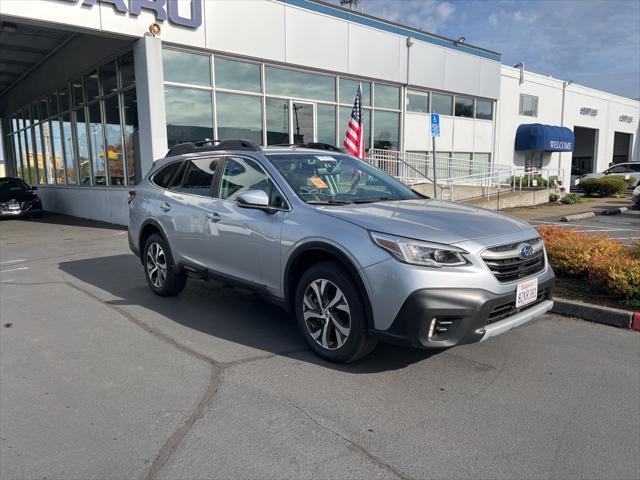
387	96
131	134
30	156
44	107
126	69
326	129
84	159
237	75
27	117
464	107
113	135
97	146
64	99
345	116
277	121
57	151
348	89
189	115
108	81
18	156
91	86
387	130
78	95
182	67
280	81
48	158
484	109
441	104
69	154
39	154
35	112
302	119
417	101
239	116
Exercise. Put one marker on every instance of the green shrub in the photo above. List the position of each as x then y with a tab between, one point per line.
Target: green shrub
631	182
570	199
527	181
554	197
605	186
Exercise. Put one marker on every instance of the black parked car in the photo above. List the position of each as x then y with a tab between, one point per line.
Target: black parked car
18	199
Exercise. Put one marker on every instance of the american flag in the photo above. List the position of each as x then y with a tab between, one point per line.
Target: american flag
354	137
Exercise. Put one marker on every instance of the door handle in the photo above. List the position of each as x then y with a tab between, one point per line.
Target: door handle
165	206
214	217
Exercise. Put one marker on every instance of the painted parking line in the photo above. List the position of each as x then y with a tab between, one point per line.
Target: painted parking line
9	262
14	269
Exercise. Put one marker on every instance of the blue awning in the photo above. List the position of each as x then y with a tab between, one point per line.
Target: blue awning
535	136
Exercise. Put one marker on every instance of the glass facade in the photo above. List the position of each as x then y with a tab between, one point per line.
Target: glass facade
442	104
84	133
464	107
417	101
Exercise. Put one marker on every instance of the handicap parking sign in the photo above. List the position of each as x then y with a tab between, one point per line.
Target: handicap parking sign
435	125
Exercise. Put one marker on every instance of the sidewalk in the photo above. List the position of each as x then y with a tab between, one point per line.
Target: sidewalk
547	210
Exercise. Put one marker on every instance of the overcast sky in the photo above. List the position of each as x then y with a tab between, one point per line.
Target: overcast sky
592	42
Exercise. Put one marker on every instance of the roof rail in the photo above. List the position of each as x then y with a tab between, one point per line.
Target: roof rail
212	145
313	145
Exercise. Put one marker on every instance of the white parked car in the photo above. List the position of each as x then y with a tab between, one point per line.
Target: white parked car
636	196
626	170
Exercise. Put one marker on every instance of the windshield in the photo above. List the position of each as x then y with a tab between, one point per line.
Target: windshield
12	185
335	178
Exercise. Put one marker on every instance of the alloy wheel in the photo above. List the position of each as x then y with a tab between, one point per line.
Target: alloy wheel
156	265
326	314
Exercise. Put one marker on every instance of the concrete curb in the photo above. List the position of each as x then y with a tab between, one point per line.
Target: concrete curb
593	313
593	213
614	211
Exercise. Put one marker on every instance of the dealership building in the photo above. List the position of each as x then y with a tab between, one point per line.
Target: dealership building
89	97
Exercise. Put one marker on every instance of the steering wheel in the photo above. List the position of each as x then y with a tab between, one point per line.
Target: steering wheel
309	191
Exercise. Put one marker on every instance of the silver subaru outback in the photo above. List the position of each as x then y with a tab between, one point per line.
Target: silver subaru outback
354	254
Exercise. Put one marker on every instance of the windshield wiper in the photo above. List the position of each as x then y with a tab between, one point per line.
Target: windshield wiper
374	200
329	202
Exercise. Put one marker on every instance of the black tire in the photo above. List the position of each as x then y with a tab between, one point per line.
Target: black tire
169	284
339	348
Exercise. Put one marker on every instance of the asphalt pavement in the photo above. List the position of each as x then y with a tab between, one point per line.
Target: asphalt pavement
101	379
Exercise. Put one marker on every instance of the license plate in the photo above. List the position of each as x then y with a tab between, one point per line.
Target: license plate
526	293
14	206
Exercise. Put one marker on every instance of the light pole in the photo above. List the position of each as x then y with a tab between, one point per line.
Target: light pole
565	84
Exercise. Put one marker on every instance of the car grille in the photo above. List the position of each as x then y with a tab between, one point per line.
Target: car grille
505	310
506	264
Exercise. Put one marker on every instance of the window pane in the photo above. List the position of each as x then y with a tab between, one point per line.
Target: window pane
198	176
126	68
345	116
417	101
78	96
39	153
237	75
69	154
326	129
386	96
84	160
387	130
108	81
30	156
441	104
528	105
131	135
290	83
17	155
27	117
482	157
242	174
189	115
166	174
239	116
57	151
182	67
49	157
35	112
464	107
277	121
65	99
44	108
91	85
348	89
97	146
113	132
484	109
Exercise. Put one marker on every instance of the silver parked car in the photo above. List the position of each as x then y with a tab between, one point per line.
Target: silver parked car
636	196
629	170
354	254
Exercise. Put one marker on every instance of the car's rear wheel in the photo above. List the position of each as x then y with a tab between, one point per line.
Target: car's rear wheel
331	314
159	268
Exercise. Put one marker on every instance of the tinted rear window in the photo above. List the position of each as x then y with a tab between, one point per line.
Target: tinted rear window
166	174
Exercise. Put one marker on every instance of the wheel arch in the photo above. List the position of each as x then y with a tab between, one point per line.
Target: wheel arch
148	228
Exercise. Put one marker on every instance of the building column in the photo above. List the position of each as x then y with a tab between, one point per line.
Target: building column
147	57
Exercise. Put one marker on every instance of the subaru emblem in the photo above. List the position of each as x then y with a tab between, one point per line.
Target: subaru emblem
525	250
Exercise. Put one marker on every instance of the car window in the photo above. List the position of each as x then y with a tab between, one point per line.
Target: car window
165	175
198	176
242	174
12	185
617	169
634	168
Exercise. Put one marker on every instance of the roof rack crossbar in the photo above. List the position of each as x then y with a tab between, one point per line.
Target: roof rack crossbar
212	145
313	145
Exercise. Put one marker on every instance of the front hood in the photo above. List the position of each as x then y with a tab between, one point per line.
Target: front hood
18	195
430	220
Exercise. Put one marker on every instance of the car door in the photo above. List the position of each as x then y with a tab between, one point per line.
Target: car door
245	242
185	206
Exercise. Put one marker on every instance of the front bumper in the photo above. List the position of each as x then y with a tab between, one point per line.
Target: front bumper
27	208
445	317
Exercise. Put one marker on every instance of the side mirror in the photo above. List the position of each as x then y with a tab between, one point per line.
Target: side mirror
257	199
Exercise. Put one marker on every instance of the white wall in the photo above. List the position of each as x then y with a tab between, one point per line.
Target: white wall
103	204
549	93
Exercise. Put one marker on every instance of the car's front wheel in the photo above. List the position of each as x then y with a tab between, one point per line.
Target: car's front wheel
159	268
331	314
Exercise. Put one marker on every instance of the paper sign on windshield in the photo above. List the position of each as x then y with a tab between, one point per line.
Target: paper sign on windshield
318	182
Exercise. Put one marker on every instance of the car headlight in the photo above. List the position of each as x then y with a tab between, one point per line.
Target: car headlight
417	252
